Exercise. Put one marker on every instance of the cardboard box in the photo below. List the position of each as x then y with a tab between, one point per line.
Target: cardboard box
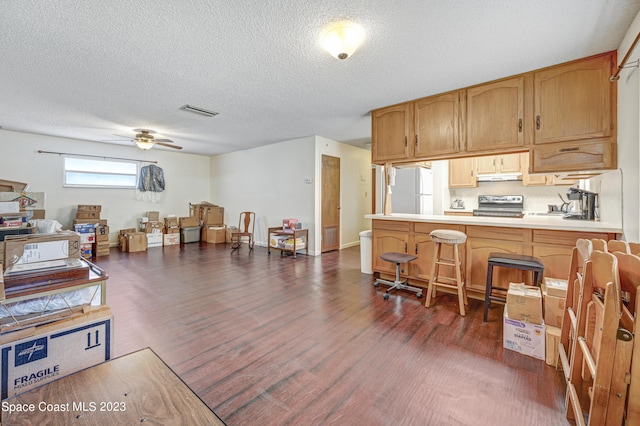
91	221
27	200
85	228
189	222
553	310
523	337
153	216
172	230
102	234
136	241
89	208
87	238
35	214
171	239
55	350
29	248
171	222
556	287
87	215
154	240
524	303
552	340
214	234
151	227
212	216
12	186
190	234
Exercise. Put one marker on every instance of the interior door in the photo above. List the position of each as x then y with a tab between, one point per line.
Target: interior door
330	203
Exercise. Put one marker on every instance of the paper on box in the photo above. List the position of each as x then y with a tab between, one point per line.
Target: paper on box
524	303
523	337
556	287
552	339
554	310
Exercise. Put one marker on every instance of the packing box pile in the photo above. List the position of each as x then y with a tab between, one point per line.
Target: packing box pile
102	240
41	354
87	233
131	241
153	228
171	225
207	213
171	239
93	230
523	327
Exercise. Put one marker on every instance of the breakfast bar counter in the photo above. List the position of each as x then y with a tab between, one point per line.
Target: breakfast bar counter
547	237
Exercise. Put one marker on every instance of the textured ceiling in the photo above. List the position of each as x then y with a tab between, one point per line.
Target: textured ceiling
89	69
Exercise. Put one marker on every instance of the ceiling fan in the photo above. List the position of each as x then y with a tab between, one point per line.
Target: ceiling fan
144	140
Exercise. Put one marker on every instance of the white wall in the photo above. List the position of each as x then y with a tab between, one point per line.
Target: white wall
269	181
355	189
629	135
186	176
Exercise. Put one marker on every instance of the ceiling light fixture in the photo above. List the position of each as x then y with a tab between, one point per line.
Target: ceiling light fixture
144	144
342	39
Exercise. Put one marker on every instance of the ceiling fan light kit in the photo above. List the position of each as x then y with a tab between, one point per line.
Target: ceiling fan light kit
342	39
144	144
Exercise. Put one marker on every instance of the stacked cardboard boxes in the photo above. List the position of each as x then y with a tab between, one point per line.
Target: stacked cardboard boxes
523	326
171	231
152	227
94	230
211	217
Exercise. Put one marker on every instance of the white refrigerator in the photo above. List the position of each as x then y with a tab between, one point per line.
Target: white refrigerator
413	191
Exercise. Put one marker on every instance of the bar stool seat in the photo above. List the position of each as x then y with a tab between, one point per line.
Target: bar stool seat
398	284
455	238
513	261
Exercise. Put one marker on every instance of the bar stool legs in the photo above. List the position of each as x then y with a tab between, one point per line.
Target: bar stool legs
455	238
398	284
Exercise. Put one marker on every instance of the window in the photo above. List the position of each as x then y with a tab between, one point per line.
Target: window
80	172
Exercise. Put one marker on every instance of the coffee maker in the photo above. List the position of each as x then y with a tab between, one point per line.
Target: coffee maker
582	204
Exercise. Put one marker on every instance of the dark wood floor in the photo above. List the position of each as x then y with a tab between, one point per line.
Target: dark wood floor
271	340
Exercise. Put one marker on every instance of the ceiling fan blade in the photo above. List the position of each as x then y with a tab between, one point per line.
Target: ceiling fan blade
164	140
168	145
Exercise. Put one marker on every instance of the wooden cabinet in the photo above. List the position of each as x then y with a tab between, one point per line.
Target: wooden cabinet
462	173
437	125
423	247
389	236
495	115
390	128
573	156
508	163
575	101
483	240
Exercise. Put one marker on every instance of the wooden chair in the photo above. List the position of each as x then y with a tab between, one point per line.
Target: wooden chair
629	272
246	225
599	244
618	245
634	248
580	254
601	358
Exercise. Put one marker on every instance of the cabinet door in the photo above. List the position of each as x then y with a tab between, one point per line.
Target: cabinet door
477	256
494	115
574	101
386	241
573	156
486	164
508	163
462	173
423	248
436	125
390	133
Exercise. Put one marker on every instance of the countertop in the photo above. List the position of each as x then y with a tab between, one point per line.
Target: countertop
531	221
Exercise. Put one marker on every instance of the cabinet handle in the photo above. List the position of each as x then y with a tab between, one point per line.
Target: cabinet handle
520	126
575	148
405	141
502	161
405	247
416	140
537	122
416	248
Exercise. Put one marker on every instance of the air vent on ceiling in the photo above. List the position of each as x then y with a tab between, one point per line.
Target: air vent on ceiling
198	110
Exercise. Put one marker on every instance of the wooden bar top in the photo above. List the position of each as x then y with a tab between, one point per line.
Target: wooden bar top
132	389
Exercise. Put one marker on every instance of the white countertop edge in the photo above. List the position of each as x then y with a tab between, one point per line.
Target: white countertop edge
532	222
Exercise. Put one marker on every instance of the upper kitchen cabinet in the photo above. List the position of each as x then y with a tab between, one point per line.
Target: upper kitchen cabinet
508	163
575	101
462	173
437	125
494	115
390	129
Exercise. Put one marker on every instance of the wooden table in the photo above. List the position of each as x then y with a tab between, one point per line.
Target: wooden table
133	389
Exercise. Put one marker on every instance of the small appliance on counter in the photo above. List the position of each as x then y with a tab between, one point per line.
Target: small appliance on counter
582	204
457	204
500	206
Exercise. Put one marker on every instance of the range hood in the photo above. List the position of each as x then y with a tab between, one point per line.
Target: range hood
499	177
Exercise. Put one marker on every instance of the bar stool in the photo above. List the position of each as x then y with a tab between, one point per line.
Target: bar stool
455	238
513	261
398	284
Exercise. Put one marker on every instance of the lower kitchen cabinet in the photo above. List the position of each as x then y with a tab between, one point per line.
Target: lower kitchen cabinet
552	247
